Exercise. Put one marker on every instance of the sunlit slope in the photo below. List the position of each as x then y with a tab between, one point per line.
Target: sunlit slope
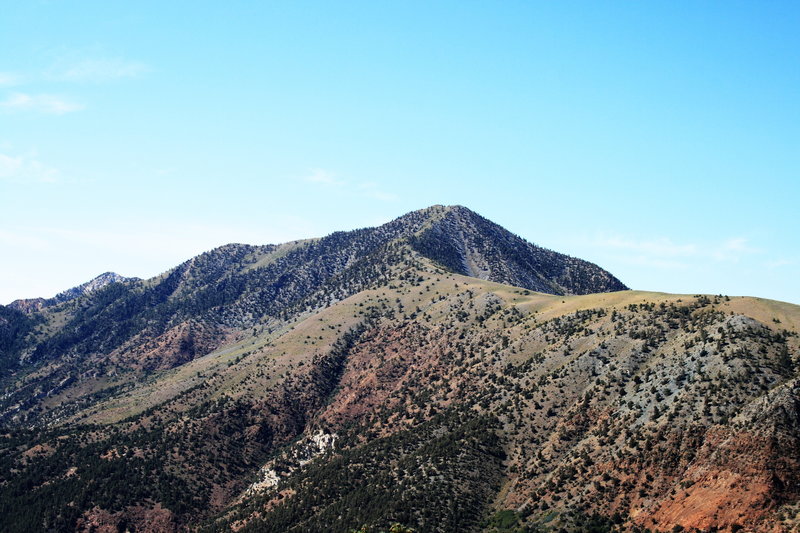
66	357
230	370
407	373
581	386
646	409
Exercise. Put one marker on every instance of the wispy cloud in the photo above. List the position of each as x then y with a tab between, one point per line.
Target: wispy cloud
655	262
331	181
372	190
69	69
97	70
663	252
780	263
324	177
661	247
41	103
732	249
9	79
26	168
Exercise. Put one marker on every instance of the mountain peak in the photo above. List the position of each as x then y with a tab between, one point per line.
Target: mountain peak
467	243
93	285
31	305
438	210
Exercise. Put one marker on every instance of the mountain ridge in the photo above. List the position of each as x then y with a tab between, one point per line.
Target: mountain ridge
31	305
233	286
363	379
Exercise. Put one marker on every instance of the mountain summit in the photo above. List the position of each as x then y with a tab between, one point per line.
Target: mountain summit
30	305
468	244
95	284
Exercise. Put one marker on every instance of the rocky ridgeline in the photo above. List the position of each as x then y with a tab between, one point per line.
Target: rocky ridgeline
32	305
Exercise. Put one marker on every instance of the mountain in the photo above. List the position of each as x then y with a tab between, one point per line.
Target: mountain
91	286
31	305
28	305
437	372
468	244
137	326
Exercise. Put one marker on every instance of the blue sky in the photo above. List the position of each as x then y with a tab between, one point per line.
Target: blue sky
660	140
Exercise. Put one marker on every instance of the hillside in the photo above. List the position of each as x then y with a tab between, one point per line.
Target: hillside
118	331
393	388
32	305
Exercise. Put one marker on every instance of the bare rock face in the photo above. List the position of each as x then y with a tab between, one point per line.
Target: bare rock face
743	471
28	305
147	519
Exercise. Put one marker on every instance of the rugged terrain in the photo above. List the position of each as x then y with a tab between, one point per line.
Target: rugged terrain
437	372
32	305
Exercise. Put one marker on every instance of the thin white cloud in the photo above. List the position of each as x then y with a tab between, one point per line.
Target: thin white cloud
732	250
330	180
324	177
9	79
72	70
97	70
665	253
661	247
655	262
69	67
779	263
163	172
371	190
39	103
26	168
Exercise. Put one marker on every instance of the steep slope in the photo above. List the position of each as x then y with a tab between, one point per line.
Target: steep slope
443	402
90	286
16	328
115	332
468	244
653	410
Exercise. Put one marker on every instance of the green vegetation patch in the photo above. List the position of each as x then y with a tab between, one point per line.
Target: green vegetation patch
434	477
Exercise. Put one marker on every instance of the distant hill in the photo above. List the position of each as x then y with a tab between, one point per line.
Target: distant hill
31	305
437	371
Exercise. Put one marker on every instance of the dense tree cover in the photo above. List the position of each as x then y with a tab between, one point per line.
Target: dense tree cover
437	476
51	478
15	327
